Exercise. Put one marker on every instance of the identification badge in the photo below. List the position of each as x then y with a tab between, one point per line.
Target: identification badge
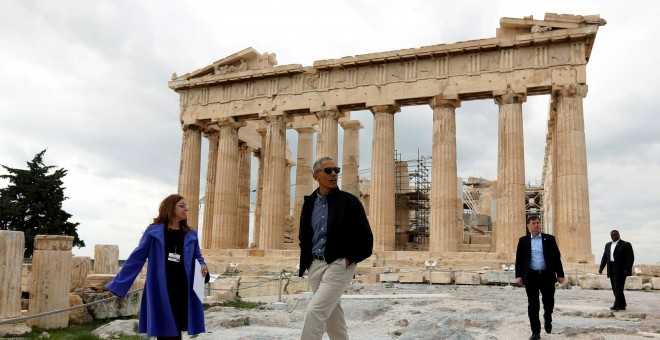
174	257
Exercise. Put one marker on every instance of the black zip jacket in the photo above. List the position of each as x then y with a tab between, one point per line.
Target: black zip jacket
349	234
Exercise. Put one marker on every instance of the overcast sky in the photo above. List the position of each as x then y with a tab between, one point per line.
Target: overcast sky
88	81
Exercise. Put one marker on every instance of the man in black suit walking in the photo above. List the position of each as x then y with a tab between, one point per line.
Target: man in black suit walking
538	267
619	258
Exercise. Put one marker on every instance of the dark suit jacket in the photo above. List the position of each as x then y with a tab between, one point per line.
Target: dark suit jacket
623	258
348	235
551	255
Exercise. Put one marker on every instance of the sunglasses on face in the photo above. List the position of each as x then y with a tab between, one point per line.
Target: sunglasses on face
329	170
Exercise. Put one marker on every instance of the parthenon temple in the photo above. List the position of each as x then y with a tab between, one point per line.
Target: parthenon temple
244	103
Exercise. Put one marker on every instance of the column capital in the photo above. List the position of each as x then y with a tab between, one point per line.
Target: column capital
510	98
392	109
442	101
227	121
303	129
193	127
352	125
211	134
570	90
283	118
243	146
331	113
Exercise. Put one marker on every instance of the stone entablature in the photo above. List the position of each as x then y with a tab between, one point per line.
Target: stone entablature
465	70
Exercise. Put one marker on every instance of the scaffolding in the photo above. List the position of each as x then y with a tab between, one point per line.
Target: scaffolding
534	202
412	188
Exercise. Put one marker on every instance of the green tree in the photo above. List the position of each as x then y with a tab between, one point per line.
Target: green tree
32	203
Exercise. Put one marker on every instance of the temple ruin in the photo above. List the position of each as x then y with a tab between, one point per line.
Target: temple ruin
244	103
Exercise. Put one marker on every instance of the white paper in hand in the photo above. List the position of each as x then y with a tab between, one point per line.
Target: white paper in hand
198	281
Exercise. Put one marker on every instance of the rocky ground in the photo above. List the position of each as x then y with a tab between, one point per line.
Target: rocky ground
416	311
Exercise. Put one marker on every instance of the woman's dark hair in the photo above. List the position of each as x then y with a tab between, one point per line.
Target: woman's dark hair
166	212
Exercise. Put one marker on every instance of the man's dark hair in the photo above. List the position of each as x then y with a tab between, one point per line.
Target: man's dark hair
533	218
614	231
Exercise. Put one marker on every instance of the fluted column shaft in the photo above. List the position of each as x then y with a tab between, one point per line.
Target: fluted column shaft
444	231
351	157
303	175
226	190
191	152
288	221
12	246
243	211
382	205
50	281
326	139
260	154
209	197
549	186
510	187
272	211
572	220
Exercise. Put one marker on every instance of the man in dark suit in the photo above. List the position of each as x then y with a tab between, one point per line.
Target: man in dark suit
619	258
538	267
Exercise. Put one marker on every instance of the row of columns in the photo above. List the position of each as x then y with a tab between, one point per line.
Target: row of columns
231	167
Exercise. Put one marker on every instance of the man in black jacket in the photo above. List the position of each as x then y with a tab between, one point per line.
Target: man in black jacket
619	258
334	236
538	267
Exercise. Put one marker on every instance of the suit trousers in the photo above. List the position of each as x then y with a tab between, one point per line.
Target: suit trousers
536	282
618	281
324	312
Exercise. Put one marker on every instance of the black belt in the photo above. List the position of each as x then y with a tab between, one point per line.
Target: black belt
540	271
319	257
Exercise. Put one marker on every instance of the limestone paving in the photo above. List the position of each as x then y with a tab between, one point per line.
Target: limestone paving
419	311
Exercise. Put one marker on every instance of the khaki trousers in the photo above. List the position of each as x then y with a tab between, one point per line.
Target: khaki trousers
324	312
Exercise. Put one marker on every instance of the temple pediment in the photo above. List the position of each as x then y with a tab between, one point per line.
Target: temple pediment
245	60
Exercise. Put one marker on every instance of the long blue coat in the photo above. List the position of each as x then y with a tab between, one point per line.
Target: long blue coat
156	318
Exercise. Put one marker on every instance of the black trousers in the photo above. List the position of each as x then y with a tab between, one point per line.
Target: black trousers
543	282
169	337
618	281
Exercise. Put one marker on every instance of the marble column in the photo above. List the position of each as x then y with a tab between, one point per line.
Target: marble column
106	259
572	220
243	211
510	186
303	175
209	197
351	157
443	232
382	207
12	245
50	284
549	187
272	210
226	189
288	221
259	154
402	213
326	139
191	152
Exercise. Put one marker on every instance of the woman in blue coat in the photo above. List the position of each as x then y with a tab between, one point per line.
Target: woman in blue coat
169	304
